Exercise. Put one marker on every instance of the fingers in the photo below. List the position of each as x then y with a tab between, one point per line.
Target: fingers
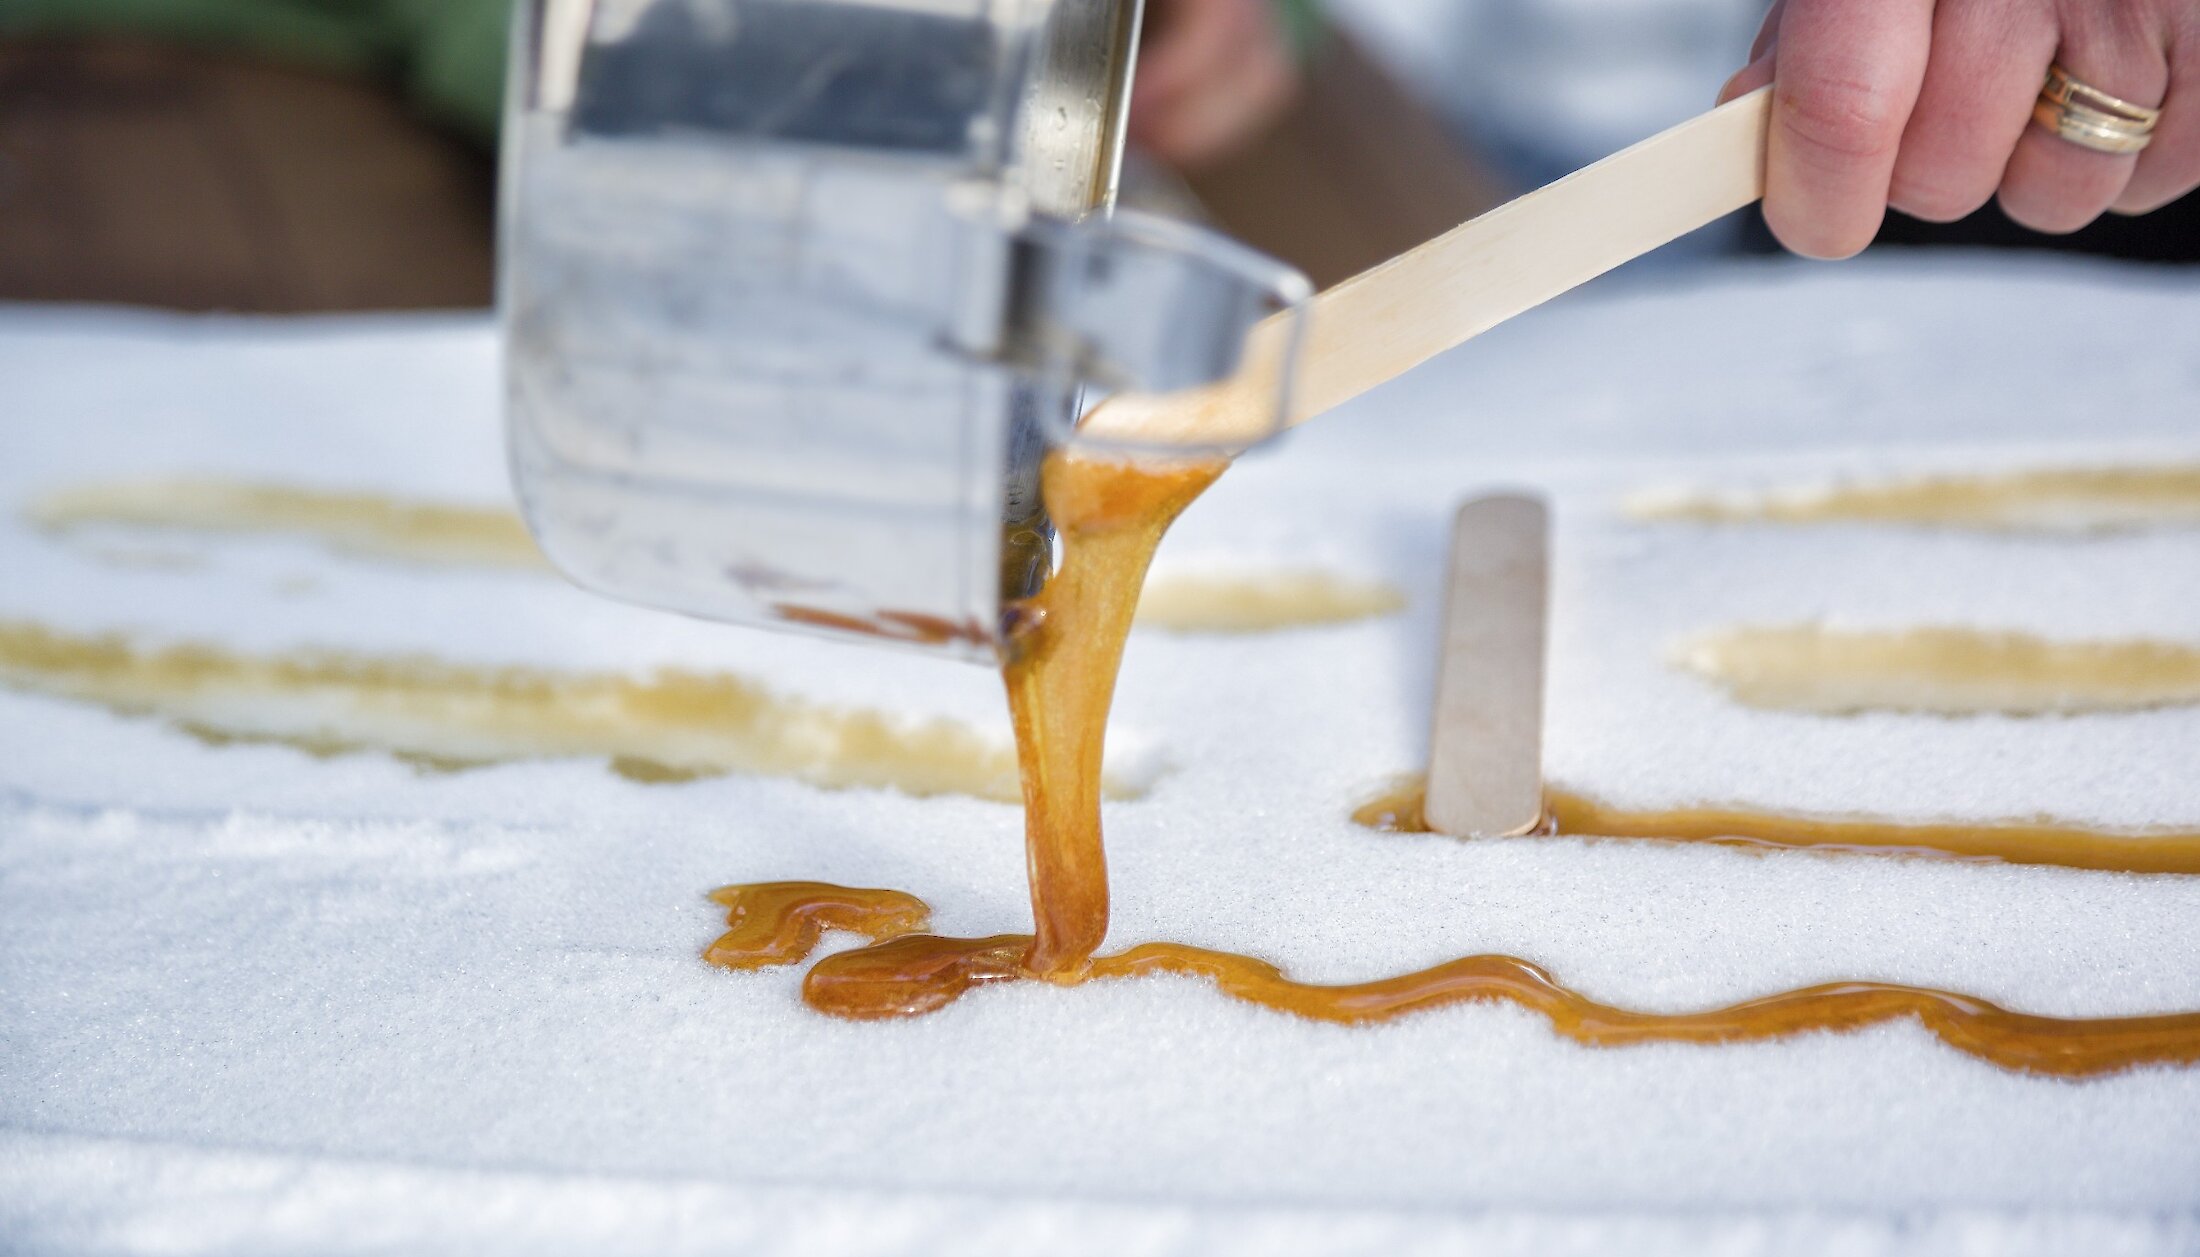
1758	72
2053	185
1249	89
1211	74
1981	79
1890	102
1184	41
1848	75
1767	31
2170	166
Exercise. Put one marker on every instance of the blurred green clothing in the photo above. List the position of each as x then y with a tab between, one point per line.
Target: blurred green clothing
448	55
1301	21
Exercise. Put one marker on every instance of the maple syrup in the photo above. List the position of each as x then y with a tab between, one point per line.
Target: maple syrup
1949	671
1261	601
366	524
667	727
1060	673
1397	809
412	530
1060	676
2053	500
905	972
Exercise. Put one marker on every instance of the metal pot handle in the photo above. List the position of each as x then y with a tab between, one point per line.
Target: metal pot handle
1138	302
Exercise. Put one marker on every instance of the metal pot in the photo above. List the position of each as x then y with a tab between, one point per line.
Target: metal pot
797	293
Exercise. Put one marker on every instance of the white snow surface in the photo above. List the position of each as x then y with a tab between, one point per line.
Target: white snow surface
252	1001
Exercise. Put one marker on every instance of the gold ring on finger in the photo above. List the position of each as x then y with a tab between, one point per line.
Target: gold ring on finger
2091	118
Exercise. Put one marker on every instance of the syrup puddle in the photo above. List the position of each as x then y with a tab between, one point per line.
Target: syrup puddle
905	972
1060	676
375	526
362	524
2041	841
673	726
1945	671
2074	500
1261	602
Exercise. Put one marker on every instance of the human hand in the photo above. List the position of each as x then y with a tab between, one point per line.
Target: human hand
1211	74
1927	107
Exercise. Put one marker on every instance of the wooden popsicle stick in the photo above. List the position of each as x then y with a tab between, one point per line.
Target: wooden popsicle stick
1485	754
1387	320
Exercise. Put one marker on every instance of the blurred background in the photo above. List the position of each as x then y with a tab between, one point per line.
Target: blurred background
299	155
